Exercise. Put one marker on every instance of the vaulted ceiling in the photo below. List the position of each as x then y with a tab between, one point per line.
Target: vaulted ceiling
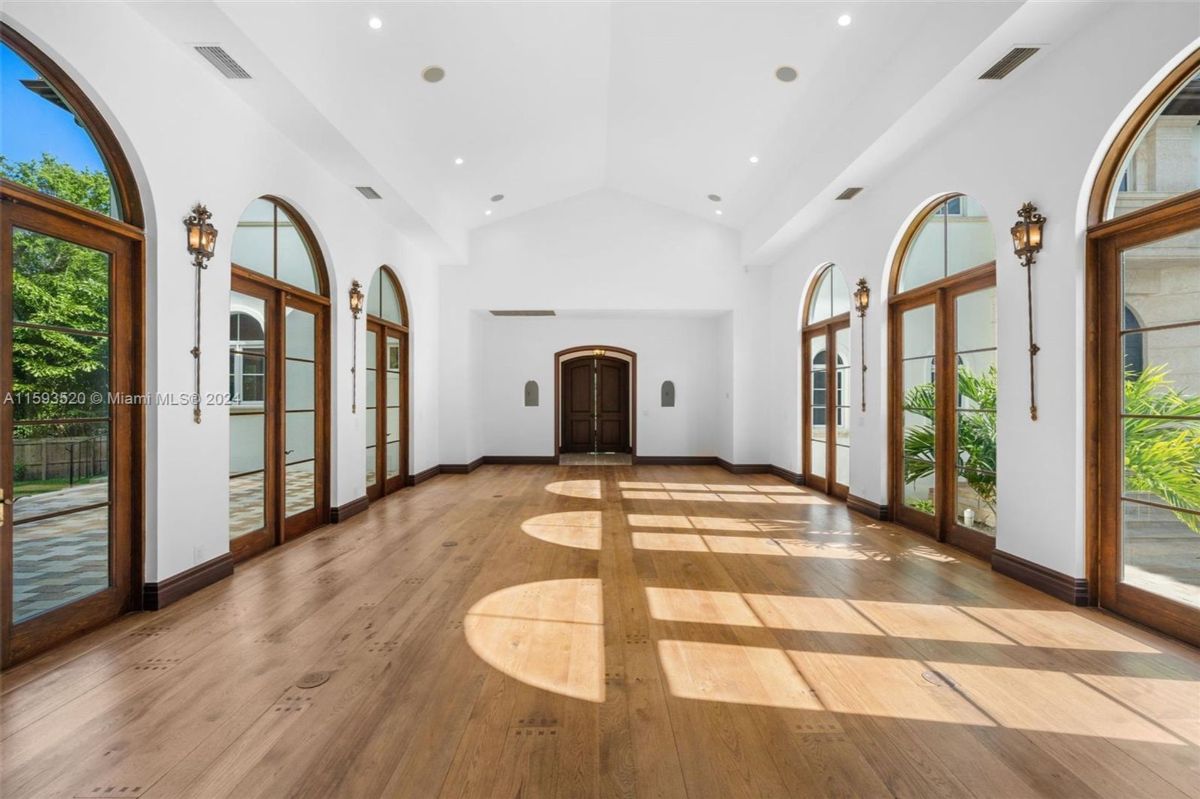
543	101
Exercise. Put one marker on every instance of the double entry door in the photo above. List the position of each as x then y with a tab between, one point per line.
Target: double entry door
826	349
943	405
387	407
279	422
70	449
595	405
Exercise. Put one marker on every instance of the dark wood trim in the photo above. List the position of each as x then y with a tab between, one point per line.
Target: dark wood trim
675	460
829	482
461	468
1110	167
878	512
1072	590
583	351
422	476
795	478
744	468
156	596
520	459
341	513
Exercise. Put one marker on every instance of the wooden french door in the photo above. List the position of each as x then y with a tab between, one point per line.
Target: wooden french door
70	302
279	420
826	412
387	407
943	345
595	405
1145	413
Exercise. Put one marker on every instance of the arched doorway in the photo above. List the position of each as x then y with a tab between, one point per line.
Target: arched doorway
71	278
595	409
942	310
825	377
278	380
387	385
1144	377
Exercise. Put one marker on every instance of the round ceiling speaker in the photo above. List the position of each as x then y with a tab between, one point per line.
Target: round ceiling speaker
786	74
433	74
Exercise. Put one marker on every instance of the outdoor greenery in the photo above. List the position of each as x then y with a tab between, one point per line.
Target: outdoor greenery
58	284
1162	452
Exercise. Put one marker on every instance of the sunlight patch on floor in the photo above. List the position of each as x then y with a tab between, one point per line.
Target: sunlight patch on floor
546	634
1058	629
582	489
928	622
580	529
746	675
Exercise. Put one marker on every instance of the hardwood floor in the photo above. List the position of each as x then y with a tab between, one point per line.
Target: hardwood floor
620	631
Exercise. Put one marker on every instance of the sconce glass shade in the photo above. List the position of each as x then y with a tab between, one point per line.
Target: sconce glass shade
1027	233
862	297
356	298
202	236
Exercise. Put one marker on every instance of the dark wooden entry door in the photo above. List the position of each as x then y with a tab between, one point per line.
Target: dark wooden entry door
595	405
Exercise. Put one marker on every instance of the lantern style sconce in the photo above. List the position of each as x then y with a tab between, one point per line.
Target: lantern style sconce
862	301
357	300
1027	243
201	244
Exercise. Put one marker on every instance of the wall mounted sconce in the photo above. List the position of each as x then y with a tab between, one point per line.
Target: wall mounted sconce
1027	243
201	244
356	307
862	301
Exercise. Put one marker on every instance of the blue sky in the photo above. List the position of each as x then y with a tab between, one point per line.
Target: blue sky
30	126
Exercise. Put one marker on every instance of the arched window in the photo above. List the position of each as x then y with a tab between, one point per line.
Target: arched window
943	421
71	322
387	385
278	380
825	415
1144	391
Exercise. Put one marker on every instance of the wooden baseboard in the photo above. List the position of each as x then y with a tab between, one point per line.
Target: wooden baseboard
674	460
518	459
866	507
461	468
795	478
421	477
744	468
156	596
1072	590
354	507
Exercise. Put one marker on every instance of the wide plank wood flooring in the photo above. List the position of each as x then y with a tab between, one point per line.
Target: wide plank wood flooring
538	631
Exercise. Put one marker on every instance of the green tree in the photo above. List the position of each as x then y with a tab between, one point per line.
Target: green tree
57	285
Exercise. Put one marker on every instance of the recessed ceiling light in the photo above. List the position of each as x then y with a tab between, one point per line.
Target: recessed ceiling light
458	162
715	198
433	74
497	198
786	74
754	159
844	20
375	22
719	212
488	212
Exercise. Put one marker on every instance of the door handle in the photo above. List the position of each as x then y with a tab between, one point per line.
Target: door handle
3	501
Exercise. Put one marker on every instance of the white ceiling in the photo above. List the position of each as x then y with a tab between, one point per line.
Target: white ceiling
543	101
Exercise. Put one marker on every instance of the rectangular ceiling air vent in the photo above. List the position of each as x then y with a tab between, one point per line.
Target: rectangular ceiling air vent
850	193
368	192
224	62
1015	58
522	313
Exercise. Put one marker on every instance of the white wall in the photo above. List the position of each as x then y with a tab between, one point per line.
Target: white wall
150	89
624	269
1055	113
675	347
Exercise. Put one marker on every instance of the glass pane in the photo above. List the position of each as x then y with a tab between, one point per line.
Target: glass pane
393	424
816	451
294	260
300	436
969	240
247	422
58	375
839	290
300	488
818	399
370	463
371	432
975	320
301	383
821	305
254	239
43	145
918	328
1165	160
393	388
58	283
975	500
372	343
1159	282
375	294
925	260
393	459
1162	461
371	388
60	515
843	464
390	302
919	491
1160	550
301	340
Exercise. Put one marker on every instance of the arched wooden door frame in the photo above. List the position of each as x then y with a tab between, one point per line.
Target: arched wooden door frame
123	241
386	329
590	351
1107	239
832	328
